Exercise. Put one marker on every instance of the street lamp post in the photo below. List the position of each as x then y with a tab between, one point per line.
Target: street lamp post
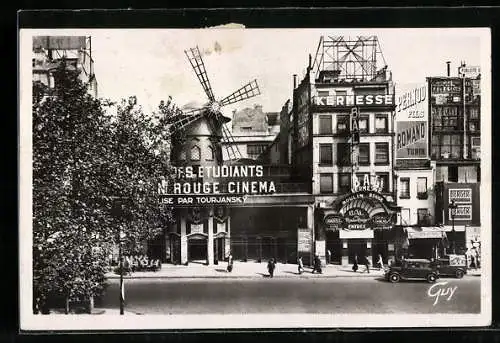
453	206
118	213
120	258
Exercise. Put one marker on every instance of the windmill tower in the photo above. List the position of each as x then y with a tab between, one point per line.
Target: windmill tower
196	134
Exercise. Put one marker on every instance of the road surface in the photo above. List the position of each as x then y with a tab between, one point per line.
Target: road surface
328	295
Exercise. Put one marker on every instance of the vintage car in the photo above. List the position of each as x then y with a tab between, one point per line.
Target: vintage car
409	269
451	265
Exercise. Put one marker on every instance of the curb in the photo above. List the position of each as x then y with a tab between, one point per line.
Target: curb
243	277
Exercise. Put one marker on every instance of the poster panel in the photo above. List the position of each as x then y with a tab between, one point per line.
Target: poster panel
411	121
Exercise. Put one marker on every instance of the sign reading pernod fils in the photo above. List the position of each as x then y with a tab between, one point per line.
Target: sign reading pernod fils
411	121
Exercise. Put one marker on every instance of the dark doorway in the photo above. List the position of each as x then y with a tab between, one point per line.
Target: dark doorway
379	246
356	247
334	244
175	249
267	248
197	250
219	244
156	247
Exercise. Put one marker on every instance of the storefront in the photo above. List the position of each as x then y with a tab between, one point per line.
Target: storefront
359	224
426	242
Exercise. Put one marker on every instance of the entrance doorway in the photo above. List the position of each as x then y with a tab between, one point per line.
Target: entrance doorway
356	247
219	244
334	244
197	250
175	249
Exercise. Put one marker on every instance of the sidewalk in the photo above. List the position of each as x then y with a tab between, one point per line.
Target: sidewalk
248	270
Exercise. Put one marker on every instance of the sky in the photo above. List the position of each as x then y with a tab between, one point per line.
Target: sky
151	64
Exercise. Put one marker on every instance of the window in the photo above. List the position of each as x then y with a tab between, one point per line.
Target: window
450	118
381	124
182	155
404	188
383	178
364	154
211	154
325	124
423	216
364	125
381	153
195	153
254	150
326	183
473	113
422	188
344	183
343	154
325	154
343	124
452	174
405	216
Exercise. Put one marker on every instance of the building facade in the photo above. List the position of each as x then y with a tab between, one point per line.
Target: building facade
455	146
49	51
352	178
252	131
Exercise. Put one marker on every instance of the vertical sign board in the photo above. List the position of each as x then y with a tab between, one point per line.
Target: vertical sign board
463	199
466	197
304	240
411	121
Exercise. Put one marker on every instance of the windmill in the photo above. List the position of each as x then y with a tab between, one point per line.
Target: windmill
211	111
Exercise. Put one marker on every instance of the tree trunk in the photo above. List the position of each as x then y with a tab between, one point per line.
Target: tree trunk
66	307
90	307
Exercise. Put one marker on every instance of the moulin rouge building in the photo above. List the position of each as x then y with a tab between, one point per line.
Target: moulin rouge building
334	191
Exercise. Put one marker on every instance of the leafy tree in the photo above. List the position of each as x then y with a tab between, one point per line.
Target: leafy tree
84	159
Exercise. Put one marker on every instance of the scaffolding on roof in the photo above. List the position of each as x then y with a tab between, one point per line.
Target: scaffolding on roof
349	59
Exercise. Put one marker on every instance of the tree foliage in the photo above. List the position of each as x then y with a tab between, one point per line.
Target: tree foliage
84	161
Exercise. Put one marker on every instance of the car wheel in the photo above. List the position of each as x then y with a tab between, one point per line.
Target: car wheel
394	278
459	274
431	278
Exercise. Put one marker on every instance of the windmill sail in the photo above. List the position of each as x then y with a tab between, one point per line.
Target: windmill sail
249	90
233	153
196	61
182	120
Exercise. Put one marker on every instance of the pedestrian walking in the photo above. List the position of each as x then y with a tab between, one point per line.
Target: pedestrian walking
317	265
367	264
355	265
270	267
380	261
300	265
230	263
328	256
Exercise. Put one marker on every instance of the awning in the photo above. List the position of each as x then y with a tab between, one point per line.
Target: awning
425	232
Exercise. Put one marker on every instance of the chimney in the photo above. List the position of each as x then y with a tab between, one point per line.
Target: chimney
310	61
448	68
294	81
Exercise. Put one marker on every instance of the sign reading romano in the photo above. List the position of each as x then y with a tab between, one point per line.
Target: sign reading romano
411	121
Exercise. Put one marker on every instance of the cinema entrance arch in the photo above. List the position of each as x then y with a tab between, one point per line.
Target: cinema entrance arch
359	224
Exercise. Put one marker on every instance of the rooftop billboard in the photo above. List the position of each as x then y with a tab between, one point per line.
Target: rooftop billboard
411	121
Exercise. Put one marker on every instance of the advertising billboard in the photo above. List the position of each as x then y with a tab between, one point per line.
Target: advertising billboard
411	121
